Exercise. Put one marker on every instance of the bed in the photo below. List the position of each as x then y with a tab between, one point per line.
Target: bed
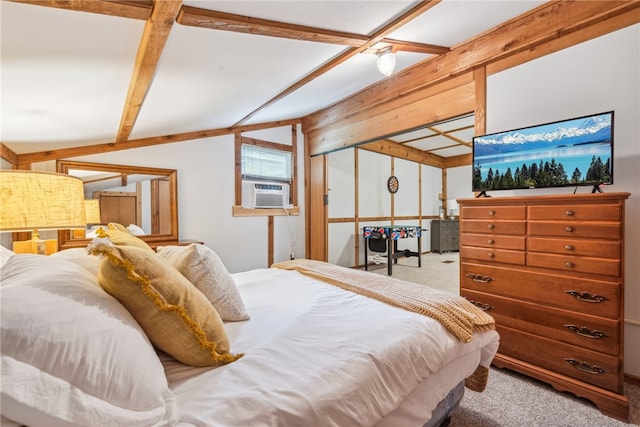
302	350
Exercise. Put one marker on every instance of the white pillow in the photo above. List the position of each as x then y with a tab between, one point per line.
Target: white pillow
81	257
136	230
5	254
204	268
72	354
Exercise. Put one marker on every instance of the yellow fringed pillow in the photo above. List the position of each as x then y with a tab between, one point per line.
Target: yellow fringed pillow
175	315
122	238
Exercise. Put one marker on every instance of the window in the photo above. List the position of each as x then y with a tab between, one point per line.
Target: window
258	160
265	163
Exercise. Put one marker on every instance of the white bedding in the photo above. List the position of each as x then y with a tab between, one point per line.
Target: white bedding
318	355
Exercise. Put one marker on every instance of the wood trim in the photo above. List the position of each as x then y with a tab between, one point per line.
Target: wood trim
293	189
356	207
480	111
134	9
238	169
238	210
27	159
8	154
270	239
317	219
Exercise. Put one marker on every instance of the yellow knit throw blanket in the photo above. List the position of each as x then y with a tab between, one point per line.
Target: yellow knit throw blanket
455	313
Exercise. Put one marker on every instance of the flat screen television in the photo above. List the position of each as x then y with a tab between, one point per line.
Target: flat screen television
572	152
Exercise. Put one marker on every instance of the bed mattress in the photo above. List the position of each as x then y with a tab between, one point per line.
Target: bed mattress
315	354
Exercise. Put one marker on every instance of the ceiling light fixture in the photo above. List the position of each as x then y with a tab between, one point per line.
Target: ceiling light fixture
386	61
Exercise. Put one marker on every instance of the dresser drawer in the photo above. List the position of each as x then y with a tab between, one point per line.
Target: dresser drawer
494	255
596	297
491	241
586	365
593	230
577	264
493	212
493	227
591	332
576	212
582	247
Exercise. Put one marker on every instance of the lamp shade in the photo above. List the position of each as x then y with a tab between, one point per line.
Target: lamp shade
92	211
31	200
452	204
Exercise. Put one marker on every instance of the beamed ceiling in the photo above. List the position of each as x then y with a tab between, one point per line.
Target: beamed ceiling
87	76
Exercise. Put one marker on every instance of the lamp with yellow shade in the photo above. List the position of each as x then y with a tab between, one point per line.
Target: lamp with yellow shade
33	201
92	215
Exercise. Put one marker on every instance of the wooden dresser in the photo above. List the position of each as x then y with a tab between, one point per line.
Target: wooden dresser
550	270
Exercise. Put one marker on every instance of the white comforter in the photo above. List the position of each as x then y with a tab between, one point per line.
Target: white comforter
316	355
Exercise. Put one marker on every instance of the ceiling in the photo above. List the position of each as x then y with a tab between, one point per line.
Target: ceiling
105	72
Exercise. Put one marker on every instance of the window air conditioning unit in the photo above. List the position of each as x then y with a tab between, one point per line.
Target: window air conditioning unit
260	194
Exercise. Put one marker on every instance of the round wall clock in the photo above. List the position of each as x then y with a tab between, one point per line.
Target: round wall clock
393	184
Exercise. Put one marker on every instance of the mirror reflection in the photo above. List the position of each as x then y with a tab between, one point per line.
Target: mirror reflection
141	199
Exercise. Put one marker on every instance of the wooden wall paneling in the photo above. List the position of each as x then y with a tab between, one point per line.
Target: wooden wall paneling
317	217
387	121
379	99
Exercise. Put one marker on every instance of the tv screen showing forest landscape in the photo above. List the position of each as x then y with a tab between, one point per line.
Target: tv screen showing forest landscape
571	152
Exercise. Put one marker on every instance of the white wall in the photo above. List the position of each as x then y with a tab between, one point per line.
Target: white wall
595	76
206	193
374	199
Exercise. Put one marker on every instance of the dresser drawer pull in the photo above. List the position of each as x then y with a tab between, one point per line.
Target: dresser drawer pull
569	247
586	296
568	213
568	229
569	264
586	367
491	226
479	278
583	331
491	241
491	255
492	212
482	306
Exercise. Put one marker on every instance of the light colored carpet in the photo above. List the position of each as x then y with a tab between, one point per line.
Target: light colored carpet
510	399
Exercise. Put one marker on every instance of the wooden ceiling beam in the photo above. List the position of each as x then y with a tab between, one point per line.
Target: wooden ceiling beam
215	20
451	137
133	9
394	149
155	35
64	153
378	35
